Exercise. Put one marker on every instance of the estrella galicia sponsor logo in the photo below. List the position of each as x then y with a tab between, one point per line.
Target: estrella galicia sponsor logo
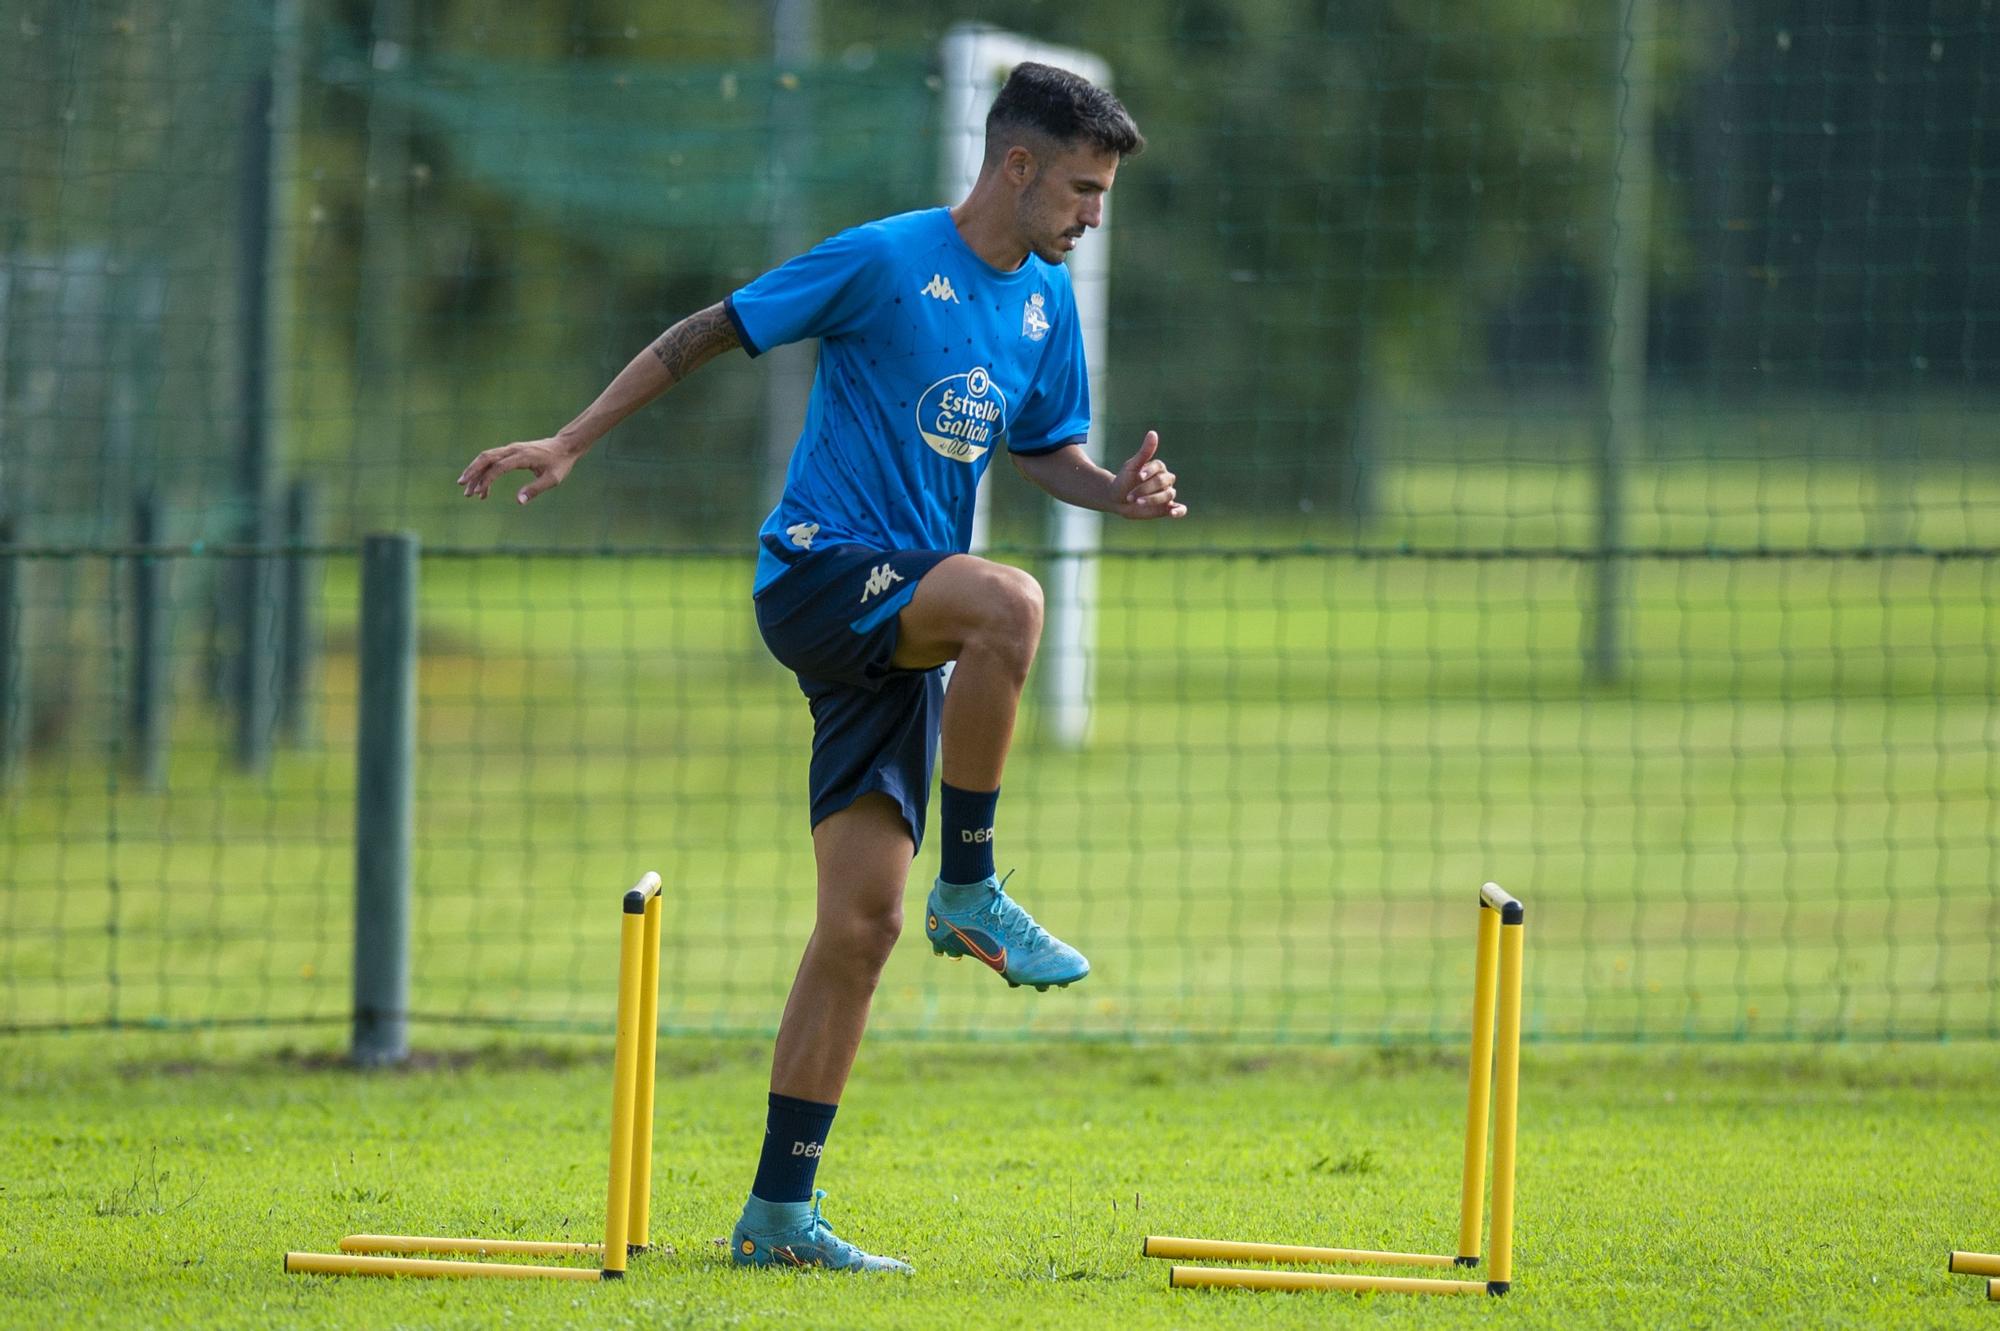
960	415
1034	319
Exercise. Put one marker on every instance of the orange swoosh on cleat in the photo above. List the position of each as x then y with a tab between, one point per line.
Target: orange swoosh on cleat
788	1255
998	961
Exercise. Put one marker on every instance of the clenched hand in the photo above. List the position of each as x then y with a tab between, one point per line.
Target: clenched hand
1144	488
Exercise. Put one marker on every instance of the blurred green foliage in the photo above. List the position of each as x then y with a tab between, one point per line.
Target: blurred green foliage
1350	214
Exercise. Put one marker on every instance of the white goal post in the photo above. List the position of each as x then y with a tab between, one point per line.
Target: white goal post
976	61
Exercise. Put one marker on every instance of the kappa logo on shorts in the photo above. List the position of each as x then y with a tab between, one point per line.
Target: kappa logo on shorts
879	579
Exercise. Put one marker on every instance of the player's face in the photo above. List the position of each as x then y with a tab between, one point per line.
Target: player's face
1065	199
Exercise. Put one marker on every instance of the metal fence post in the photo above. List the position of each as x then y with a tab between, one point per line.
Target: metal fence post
385	771
1622	429
13	662
298	655
149	647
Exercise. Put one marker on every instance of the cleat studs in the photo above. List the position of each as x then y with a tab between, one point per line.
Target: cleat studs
1013	984
937	951
1041	989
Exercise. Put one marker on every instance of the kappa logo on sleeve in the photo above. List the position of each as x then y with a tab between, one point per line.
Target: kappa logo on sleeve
802	534
939	288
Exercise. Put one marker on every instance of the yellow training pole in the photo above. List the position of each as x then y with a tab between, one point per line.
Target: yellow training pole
624	1076
1974	1264
639	1212
1223	1250
1190	1277
1472	1191
1993	1291
1507	1084
345	1264
381	1243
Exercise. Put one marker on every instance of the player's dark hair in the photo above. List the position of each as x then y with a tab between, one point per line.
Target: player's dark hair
1062	107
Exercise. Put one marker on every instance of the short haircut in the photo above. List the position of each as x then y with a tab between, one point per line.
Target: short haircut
1061	107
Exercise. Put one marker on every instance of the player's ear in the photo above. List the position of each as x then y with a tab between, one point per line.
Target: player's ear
1019	164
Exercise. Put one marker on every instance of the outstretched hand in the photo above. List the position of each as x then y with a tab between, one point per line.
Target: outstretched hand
1144	488
549	460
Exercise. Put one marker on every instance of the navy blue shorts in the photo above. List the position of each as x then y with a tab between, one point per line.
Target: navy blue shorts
831	619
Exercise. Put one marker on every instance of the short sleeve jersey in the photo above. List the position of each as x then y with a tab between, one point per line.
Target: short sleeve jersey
929	359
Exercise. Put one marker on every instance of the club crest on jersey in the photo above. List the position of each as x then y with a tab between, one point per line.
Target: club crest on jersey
960	416
1034	319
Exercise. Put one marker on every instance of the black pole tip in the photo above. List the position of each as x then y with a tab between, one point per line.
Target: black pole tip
1466	1261
610	1275
1497	1287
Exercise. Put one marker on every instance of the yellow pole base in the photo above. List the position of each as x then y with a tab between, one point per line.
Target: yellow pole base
1223	1250
471	1247
346	1264
1197	1277
1974	1264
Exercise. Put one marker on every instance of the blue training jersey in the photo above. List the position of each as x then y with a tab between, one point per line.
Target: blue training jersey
929	359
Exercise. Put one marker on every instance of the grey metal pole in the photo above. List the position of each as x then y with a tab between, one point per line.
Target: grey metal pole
382	335
256	691
298	657
788	371
13	662
384	792
149	646
1622	422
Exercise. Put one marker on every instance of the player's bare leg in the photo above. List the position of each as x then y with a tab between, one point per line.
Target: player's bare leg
988	618
863	854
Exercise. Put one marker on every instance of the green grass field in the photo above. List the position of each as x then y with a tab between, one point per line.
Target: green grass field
150	1181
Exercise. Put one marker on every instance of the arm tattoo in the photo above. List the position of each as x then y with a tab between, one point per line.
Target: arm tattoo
695	341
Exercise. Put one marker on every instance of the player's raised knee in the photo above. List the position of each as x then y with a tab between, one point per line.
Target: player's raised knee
1014	605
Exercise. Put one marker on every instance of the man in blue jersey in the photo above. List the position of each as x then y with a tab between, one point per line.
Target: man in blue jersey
944	335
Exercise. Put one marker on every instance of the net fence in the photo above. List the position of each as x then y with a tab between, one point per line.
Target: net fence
1688	639
1304	763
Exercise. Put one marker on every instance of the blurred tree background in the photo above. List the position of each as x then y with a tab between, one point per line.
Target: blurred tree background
1366	234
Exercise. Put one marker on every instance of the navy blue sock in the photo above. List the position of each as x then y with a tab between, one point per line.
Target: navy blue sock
794	1135
967	816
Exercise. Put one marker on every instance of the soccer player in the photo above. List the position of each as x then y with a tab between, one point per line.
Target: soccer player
943	334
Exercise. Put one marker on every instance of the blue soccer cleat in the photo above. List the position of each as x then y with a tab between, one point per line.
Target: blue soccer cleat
807	1243
998	932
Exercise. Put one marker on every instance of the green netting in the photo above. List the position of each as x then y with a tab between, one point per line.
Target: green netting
1588	413
623	152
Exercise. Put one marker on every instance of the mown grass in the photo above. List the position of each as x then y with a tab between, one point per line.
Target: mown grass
156	1181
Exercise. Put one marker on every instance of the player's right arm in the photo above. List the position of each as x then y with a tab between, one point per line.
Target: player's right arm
674	355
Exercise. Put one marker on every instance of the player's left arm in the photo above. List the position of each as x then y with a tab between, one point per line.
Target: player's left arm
1142	488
